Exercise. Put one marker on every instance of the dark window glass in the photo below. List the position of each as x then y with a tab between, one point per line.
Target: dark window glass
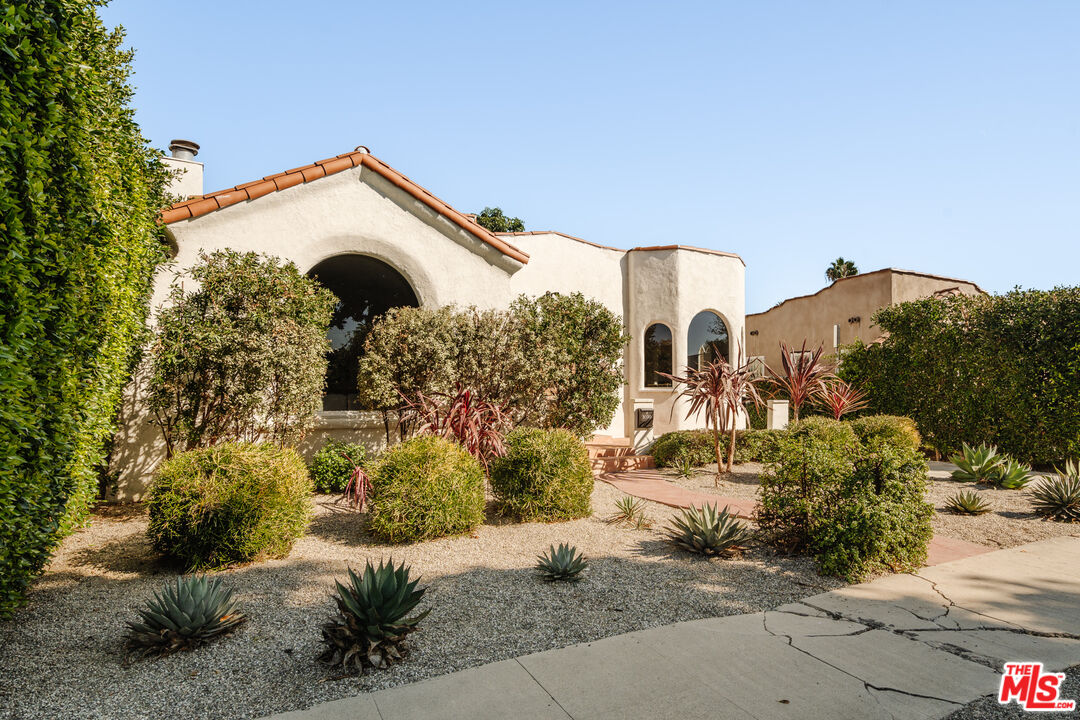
657	355
366	288
706	340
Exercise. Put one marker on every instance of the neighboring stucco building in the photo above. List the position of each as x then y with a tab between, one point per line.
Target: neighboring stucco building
362	227
841	313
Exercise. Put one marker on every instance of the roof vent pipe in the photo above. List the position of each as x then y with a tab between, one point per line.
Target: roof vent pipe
184	149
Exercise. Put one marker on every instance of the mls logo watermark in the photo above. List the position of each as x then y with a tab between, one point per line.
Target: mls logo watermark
1032	689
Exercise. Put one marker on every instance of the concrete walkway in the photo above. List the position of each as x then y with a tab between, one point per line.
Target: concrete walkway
903	646
653	485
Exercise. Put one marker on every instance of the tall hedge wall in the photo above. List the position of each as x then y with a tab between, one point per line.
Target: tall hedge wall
1002	369
79	191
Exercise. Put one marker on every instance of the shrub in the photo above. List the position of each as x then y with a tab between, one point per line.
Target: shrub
756	445
545	475
857	507
242	356
897	431
334	464
79	193
998	370
230	503
696	446
426	487
811	461
551	361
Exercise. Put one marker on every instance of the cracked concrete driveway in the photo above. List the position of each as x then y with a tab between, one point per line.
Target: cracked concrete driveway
903	646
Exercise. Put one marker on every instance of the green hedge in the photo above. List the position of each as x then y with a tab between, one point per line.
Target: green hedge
1001	370
79	193
426	487
857	506
697	446
545	475
229	503
334	463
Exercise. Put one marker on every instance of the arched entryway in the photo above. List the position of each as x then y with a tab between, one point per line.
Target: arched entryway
366	288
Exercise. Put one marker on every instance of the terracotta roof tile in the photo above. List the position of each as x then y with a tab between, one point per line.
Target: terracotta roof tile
198	206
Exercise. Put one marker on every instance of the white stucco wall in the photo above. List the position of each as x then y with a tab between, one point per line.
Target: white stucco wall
357	211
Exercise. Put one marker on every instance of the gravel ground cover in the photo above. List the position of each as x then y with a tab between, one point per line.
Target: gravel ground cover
1011	522
62	655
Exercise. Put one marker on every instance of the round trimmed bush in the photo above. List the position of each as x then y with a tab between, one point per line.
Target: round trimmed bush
229	503
696	445
544	475
334	464
899	432
426	487
756	445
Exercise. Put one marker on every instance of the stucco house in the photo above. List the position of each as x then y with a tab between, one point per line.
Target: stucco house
361	227
841	313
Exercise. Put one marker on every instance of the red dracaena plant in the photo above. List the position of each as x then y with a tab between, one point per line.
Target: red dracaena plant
477	424
719	390
803	375
839	398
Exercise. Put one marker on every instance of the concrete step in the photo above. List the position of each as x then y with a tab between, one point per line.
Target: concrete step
597	451
607	440
622	462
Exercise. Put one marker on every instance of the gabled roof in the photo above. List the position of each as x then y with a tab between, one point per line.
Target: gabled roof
204	204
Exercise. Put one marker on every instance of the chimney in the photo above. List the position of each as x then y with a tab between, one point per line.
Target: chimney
187	180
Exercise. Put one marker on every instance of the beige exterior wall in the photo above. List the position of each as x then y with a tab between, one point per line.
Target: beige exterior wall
840	313
357	211
187	177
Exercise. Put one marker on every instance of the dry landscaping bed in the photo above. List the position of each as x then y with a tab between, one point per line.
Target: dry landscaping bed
62	655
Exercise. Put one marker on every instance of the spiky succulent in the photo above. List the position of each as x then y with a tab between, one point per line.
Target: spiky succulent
967	502
372	624
629	511
1058	497
1011	474
706	531
976	464
183	616
561	563
683	466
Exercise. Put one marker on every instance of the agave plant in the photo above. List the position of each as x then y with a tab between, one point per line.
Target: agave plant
1058	497
683	467
840	398
372	624
561	563
477	424
967	502
1011	474
976	464
183	616
629	511
705	531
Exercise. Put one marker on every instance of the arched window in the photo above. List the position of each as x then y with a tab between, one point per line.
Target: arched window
366	288
657	355
706	340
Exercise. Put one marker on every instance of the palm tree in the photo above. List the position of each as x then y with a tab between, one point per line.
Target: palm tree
841	268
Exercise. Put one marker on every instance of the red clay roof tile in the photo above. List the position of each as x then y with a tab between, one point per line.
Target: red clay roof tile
198	206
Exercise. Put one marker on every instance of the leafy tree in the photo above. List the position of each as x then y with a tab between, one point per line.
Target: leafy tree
79	191
494	220
551	361
1001	370
242	357
840	268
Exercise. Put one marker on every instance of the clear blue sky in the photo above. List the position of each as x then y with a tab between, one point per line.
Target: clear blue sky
934	136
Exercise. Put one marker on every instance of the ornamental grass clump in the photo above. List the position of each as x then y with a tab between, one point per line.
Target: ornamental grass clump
373	618
230	503
629	512
544	476
426	487
184	615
